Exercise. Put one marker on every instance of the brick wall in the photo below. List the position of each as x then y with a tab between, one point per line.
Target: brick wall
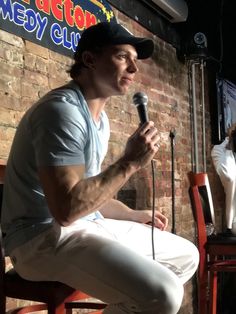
28	71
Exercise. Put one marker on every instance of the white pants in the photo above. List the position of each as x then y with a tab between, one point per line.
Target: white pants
112	260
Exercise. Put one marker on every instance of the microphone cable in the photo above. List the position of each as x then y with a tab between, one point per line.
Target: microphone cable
153	208
140	100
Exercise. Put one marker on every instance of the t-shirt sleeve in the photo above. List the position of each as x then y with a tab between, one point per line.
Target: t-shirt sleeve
59	133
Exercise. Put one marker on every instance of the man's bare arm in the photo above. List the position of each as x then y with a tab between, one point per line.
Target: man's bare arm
70	196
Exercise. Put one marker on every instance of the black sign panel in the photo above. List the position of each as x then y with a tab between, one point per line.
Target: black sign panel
54	24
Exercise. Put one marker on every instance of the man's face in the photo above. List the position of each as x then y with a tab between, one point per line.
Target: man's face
115	69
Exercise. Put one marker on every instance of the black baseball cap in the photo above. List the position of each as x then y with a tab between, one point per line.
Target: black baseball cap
105	33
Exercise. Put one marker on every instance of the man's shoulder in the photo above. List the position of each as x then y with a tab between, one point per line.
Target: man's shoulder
62	100
69	91
59	107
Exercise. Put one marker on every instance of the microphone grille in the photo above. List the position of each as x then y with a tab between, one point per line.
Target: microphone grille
140	98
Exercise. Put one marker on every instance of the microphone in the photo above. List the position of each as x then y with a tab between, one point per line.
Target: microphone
140	100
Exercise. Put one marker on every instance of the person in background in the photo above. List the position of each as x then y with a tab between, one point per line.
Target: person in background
223	156
60	218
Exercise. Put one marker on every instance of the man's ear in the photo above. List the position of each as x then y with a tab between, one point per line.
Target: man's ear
88	59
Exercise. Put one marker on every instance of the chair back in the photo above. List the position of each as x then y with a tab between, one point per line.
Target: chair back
202	182
199	219
200	227
203	212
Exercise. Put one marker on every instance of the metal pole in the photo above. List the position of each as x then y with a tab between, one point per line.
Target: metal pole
195	133
203	116
172	136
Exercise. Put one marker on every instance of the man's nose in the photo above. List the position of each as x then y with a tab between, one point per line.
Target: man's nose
132	67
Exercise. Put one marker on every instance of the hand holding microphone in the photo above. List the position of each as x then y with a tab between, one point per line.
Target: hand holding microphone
140	100
142	145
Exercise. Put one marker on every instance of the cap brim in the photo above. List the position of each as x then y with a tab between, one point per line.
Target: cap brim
144	48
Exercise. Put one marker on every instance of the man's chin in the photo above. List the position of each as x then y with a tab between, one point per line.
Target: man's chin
124	90
120	91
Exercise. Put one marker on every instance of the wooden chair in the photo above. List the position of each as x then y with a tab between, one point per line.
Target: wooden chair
52	295
215	250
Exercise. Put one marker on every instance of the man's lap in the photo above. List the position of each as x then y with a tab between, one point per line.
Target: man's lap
81	240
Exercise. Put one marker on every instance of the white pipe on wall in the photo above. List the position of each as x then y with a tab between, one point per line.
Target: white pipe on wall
203	116
195	132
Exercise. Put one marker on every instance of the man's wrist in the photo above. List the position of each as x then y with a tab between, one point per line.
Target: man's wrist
130	167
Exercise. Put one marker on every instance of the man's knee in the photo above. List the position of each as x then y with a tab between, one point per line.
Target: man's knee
168	299
192	260
163	296
160	296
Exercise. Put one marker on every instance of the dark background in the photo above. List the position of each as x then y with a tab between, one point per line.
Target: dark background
217	20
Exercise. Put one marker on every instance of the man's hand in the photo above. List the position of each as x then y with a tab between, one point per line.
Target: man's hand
142	146
145	216
115	209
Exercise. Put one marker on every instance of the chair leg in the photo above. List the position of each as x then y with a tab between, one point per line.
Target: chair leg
202	292
213	292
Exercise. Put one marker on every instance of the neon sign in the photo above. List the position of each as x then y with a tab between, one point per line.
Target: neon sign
54	24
